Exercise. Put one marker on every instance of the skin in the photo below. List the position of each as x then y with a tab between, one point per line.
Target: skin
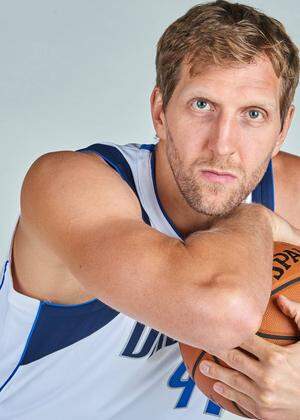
221	137
260	386
218	133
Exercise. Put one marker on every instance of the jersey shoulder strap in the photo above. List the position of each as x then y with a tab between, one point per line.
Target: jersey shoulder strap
264	191
114	157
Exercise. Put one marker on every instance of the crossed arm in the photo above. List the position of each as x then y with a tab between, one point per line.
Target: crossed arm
269	386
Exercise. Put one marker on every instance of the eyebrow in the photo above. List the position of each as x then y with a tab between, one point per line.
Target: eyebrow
258	103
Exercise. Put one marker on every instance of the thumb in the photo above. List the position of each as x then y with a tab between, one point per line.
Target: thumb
290	308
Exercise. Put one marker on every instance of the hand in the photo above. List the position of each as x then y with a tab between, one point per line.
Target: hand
283	231
268	384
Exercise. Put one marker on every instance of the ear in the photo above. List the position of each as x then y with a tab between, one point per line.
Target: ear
283	133
157	112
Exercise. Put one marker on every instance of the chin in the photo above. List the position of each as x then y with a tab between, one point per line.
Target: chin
220	210
214	205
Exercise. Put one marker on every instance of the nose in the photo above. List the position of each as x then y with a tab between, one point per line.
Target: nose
223	135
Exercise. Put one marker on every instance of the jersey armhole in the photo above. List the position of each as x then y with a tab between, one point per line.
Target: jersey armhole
113	157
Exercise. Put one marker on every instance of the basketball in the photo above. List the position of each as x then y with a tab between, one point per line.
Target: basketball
275	327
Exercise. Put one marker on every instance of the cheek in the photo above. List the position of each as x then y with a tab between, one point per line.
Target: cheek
188	136
254	166
256	147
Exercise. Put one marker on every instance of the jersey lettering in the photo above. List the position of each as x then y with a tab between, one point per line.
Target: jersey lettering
181	379
145	341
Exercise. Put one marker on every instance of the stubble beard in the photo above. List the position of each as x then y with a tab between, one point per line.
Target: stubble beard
203	196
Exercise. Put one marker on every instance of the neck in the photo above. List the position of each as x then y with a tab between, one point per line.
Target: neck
185	219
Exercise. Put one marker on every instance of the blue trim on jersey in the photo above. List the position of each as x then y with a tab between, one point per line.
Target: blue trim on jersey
3	276
149	147
157	196
264	192
25	348
58	326
117	161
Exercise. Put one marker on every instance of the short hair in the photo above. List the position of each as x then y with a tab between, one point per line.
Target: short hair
225	33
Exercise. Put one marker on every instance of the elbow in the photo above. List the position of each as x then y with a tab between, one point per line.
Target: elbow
245	320
230	321
244	323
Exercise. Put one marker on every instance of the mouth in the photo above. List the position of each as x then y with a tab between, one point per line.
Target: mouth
220	177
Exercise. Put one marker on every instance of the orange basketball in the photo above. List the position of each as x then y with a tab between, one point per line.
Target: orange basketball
275	327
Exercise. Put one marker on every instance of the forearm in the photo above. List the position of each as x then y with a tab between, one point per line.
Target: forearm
238	252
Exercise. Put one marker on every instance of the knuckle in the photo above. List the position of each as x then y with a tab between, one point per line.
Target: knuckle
266	399
234	357
276	358
240	401
235	379
268	382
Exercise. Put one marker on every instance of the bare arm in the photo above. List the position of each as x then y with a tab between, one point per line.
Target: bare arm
286	168
202	292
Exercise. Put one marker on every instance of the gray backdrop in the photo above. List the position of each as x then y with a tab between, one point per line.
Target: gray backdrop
76	72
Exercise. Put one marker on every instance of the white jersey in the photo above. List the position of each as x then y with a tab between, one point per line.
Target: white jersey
89	361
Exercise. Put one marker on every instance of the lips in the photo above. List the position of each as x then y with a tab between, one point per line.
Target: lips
219	177
219	173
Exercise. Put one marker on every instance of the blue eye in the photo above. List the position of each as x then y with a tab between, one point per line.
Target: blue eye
201	104
254	114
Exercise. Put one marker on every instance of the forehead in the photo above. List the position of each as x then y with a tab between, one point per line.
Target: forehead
232	81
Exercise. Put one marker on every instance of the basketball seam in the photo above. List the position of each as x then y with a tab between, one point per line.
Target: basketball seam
283	286
201	355
278	337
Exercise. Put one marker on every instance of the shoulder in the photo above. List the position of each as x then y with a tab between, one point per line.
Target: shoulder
282	158
66	185
55	169
286	169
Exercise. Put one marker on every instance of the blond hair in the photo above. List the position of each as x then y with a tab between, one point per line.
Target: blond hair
224	33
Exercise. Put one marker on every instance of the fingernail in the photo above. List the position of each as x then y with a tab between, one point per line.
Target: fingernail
204	367
218	388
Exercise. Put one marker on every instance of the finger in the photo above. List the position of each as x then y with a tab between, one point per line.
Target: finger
239	398
289	308
233	378
242	362
258	346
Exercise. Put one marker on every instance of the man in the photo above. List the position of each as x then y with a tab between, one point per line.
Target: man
121	251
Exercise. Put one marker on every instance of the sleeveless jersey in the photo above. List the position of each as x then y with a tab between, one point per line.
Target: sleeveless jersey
88	361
